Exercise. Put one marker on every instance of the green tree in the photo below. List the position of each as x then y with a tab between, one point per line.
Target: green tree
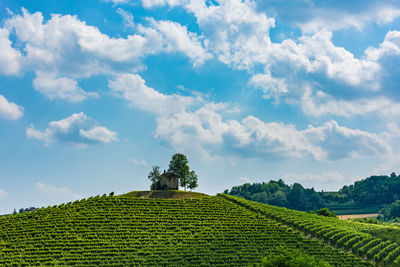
178	167
154	177
192	180
325	212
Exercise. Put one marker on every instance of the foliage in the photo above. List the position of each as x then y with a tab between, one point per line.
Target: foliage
192	180
374	190
277	193
292	258
325	212
178	167
154	177
391	212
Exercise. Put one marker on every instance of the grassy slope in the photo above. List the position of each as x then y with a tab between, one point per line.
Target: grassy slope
166	194
135	231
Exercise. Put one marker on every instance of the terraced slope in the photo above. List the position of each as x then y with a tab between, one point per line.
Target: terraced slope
359	238
119	231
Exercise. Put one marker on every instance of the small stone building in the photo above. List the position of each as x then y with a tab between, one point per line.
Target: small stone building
168	182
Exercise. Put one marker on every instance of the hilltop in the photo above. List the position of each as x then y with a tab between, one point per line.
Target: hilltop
211	230
164	194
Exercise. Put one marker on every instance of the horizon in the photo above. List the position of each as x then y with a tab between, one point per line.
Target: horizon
94	93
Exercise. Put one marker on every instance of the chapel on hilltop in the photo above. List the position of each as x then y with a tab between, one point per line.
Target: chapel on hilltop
168	181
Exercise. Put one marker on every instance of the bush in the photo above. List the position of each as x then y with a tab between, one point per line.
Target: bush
291	258
325	212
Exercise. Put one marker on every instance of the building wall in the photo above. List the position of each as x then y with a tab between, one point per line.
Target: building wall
169	183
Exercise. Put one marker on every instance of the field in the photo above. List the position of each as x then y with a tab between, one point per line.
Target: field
357	216
219	230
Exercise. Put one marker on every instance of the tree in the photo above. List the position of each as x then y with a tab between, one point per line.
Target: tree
154	177
178	167
192	180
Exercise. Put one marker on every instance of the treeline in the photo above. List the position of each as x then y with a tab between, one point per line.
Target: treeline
278	193
381	189
368	193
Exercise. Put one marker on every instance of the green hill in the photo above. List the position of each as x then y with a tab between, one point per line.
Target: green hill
219	230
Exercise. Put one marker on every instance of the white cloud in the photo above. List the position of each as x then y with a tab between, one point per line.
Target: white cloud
127	18
235	32
68	47
334	20
204	130
189	124
3	194
390	46
270	86
177	38
55	87
132	88
78	129
339	142
319	104
139	162
10	110
56	191
10	58
99	133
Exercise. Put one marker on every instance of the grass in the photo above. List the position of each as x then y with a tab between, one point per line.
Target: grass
164	194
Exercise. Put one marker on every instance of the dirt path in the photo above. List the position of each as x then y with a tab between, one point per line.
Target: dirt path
354	216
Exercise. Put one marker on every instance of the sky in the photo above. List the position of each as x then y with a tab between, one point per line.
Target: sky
94	93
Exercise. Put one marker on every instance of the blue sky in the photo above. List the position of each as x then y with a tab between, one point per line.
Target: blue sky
93	93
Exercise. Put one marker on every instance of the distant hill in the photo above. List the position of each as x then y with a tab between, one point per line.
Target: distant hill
365	196
218	230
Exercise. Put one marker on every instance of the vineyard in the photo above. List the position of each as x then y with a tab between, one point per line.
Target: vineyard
359	238
219	230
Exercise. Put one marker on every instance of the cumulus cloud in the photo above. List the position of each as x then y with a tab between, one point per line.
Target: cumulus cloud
189	123
10	58
235	32
333	20
390	46
3	194
205	130
133	89
320	103
271	87
178	38
56	191
339	142
55	87
78	129
139	162
10	110
68	47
